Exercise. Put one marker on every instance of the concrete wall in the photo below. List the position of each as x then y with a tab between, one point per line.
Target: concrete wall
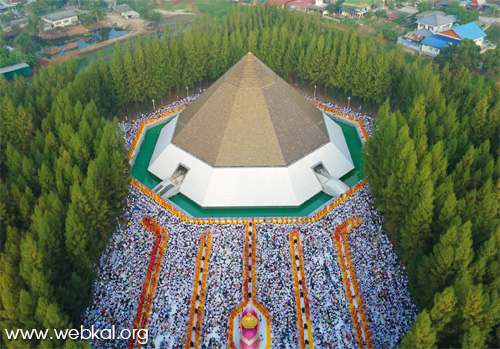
143	134
351	123
431	51
409	44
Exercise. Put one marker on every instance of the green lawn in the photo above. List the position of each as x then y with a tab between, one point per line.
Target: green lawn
493	33
216	8
349	23
107	52
184	7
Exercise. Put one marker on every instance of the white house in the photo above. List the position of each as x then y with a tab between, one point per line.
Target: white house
436	23
432	45
61	18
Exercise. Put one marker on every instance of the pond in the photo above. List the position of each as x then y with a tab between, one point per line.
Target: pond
86	40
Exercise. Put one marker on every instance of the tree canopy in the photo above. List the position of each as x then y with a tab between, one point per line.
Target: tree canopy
433	169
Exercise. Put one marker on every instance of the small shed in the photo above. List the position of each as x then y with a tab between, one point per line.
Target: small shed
126	11
429	13
21	69
405	11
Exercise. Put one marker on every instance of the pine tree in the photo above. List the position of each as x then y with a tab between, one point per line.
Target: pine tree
140	77
444	310
361	82
132	91
77	230
479	122
352	57
252	42
449	258
214	57
224	63
265	46
399	185
415	232
331	64
158	68
342	59
473	338
10	281
273	59
281	50
174	68
422	335
189	73
380	148
118	76
316	64
23	129
151	84
381	79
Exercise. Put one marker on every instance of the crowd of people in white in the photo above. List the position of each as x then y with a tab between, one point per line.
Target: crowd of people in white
275	283
130	127
122	271
224	283
366	118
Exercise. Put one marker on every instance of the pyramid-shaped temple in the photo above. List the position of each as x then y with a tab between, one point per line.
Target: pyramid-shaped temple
250	140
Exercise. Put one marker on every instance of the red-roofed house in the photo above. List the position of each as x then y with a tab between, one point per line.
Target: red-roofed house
476	5
292	3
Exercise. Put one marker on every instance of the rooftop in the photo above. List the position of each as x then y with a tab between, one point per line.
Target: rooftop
434	42
13	68
122	8
57	16
469	31
407	10
361	3
429	13
418	35
298	3
437	20
320	7
250	117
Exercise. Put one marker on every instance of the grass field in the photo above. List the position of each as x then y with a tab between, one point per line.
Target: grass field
107	52
84	61
216	8
494	33
184	7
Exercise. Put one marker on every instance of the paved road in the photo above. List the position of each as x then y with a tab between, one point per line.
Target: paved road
488	19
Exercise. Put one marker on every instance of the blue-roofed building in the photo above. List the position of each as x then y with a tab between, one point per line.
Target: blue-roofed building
432	45
425	41
413	40
470	31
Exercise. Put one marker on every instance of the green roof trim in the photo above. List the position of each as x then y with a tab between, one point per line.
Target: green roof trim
361	3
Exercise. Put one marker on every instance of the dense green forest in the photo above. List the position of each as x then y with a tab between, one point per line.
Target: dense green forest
433	169
64	176
432	163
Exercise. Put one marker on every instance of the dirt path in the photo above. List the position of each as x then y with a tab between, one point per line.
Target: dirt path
194	8
71	31
173	13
